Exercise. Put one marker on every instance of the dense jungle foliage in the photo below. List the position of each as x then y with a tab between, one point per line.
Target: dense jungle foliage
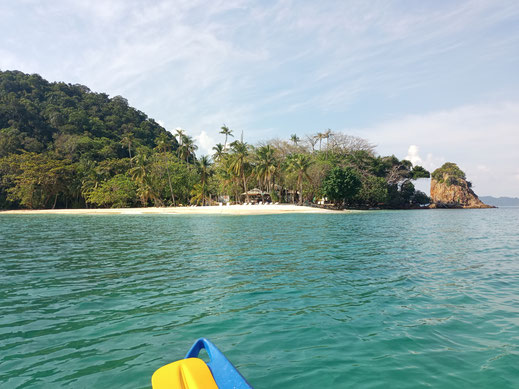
63	146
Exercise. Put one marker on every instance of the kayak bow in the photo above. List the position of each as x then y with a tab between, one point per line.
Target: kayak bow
194	373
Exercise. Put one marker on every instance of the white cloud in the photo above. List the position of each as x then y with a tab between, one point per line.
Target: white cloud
205	143
413	156
432	162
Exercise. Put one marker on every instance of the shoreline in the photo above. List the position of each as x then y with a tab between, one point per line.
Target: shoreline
204	210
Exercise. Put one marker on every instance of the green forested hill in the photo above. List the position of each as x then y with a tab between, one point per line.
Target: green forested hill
38	116
55	135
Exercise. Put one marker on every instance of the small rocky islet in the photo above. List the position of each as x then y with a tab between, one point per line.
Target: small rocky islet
450	189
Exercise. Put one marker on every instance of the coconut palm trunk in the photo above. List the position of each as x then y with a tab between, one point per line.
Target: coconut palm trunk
166	160
300	182
245	186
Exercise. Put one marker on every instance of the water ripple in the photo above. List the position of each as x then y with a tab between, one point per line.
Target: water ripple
396	299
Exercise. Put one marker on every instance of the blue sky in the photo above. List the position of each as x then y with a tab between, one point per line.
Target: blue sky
433	81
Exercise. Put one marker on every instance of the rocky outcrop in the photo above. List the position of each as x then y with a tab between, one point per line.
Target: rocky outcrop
450	189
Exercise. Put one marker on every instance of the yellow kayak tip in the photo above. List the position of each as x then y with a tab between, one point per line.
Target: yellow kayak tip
190	373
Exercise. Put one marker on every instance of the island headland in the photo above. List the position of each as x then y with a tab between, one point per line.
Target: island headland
63	146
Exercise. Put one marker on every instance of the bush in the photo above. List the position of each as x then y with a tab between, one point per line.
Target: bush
421	198
118	192
373	191
341	184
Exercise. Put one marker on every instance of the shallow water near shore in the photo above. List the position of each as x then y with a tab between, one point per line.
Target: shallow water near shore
390	299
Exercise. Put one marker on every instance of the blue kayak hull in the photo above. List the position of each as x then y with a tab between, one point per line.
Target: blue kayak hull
225	374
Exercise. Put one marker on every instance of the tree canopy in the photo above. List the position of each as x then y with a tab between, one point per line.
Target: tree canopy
341	184
38	116
449	173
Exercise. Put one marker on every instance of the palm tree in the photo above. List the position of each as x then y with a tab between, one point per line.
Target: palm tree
127	141
326	135
266	166
228	179
90	180
312	140
204	166
199	194
319	136
180	134
191	147
294	138
299	163
188	147
140	176
225	131
218	152
238	163
163	145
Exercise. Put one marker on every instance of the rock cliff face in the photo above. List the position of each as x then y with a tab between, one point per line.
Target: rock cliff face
450	189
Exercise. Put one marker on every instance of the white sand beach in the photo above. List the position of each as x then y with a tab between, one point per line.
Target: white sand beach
256	209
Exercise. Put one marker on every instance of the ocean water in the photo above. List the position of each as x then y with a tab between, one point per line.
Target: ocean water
396	299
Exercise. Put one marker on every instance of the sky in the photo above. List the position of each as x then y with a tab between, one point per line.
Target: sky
430	81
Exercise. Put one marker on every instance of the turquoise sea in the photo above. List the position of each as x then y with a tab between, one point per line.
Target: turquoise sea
385	299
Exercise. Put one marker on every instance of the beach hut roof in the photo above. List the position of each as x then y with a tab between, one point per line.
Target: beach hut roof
254	191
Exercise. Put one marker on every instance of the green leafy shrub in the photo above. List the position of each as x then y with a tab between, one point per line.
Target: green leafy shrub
341	184
449	174
117	192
